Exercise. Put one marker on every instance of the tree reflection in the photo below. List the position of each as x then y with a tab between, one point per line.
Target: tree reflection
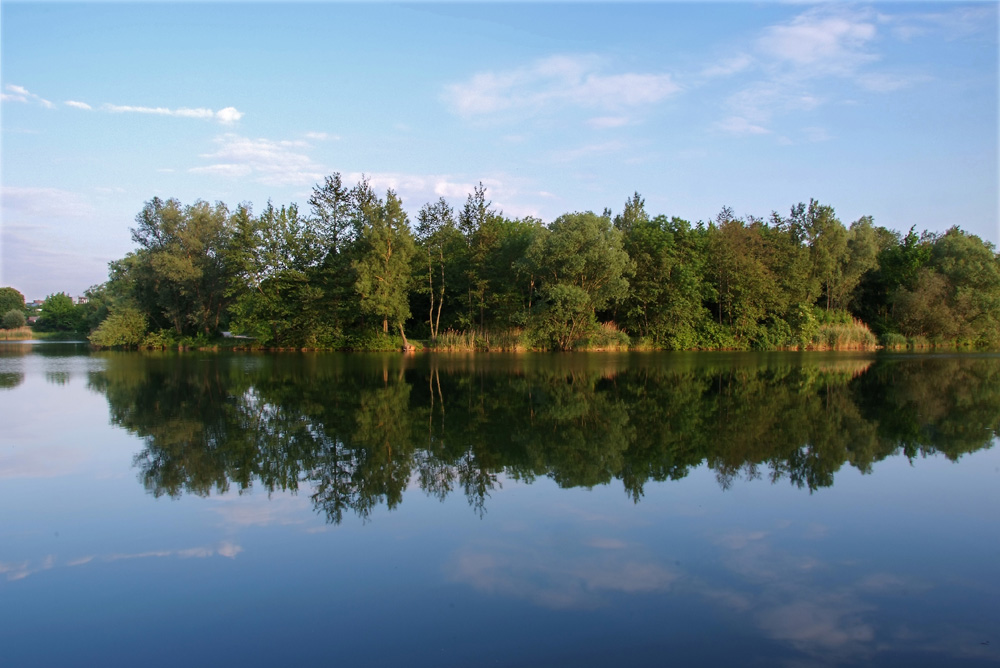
357	431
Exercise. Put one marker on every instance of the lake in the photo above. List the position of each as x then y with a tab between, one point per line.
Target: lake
690	509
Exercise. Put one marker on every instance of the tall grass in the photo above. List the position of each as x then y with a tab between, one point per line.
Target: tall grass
510	340
607	337
18	334
853	335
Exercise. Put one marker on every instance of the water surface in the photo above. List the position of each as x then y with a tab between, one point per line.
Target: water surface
459	510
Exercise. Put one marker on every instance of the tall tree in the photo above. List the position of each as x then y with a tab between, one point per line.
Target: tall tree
583	269
383	249
633	214
10	300
183	250
435	229
270	258
331	206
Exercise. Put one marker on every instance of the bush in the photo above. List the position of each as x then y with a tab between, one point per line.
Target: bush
13	319
124	329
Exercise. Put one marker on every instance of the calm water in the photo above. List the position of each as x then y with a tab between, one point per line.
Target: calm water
534	510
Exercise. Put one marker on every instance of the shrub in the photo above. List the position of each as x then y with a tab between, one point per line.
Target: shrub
13	319
124	329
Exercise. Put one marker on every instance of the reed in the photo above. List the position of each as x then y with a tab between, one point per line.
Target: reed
508	340
606	337
853	335
18	334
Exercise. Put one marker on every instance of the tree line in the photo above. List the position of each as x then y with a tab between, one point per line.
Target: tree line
354	272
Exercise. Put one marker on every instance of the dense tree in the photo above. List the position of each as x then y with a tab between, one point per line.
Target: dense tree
179	270
11	299
583	268
352	271
59	314
382	253
271	257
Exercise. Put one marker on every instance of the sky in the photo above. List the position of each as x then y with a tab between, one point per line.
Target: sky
888	110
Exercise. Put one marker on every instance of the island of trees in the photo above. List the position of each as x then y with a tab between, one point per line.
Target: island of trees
354	273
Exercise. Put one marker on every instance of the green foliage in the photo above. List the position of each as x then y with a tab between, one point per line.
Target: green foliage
125	328
13	319
273	258
382	253
11	299
178	276
353	266
565	316
59	314
582	267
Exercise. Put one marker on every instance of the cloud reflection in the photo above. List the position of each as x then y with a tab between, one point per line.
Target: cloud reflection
20	570
549	575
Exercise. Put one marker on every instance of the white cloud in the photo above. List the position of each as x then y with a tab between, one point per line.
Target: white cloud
555	82
728	67
22	94
78	105
796	58
229	115
226	116
268	161
823	41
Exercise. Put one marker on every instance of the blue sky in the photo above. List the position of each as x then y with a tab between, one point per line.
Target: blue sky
888	110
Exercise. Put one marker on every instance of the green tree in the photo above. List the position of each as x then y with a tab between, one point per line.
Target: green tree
271	260
179	270
633	214
382	253
59	314
664	303
479	223
332	207
437	234
746	289
583	269
10	299
13	319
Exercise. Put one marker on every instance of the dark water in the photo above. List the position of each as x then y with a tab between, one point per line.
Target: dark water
533	510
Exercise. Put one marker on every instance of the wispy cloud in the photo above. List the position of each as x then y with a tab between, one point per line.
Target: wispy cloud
737	125
43	203
729	66
226	116
556	82
78	105
271	162
826	41
791	64
22	94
